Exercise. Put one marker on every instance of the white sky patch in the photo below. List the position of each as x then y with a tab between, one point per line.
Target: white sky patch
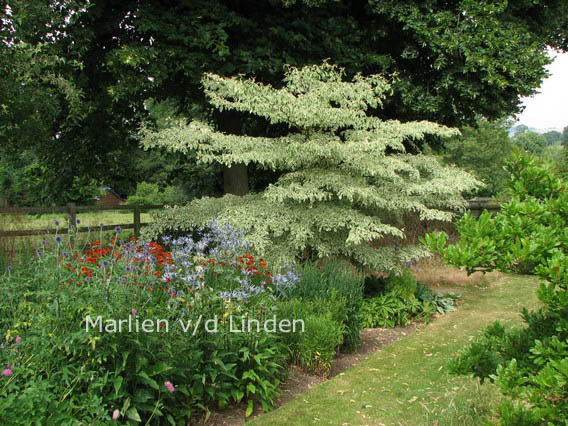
549	107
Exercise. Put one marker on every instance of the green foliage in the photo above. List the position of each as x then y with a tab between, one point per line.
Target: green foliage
346	176
150	193
339	291
146	193
553	137
483	151
324	327
82	74
403	284
403	300
60	371
389	310
528	235
531	142
318	344
441	302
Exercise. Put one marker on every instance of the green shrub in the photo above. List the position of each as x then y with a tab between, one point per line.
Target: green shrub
338	289
530	235
175	195
150	193
391	310
403	284
146	193
319	342
404	299
315	347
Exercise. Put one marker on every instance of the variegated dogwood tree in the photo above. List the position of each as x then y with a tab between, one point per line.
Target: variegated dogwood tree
346	180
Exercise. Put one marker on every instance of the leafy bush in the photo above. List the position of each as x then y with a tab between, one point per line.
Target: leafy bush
315	348
318	344
146	193
442	302
339	290
402	298
402	284
529	234
391	310
58	368
150	193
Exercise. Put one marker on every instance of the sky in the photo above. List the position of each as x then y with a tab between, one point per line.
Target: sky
549	108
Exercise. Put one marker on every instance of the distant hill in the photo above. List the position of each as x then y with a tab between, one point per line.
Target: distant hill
540	130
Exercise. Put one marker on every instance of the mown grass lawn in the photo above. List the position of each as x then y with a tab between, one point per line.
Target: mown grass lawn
406	383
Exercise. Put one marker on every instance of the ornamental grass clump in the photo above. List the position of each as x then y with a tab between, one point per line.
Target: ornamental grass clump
347	177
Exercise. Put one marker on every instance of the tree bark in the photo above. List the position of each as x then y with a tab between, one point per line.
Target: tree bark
235	179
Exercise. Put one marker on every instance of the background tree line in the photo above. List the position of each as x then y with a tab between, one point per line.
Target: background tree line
77	78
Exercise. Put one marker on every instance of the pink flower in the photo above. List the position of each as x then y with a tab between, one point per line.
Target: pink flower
134	312
115	414
18	339
170	386
8	372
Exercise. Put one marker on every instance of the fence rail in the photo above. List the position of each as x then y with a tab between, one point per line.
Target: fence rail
71	209
476	205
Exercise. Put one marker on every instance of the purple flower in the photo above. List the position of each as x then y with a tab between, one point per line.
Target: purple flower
117	229
134	312
18	339
58	239
56	223
106	264
78	221
170	386
43	242
8	372
115	414
10	268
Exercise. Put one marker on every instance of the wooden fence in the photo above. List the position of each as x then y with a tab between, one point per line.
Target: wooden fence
476	206
71	210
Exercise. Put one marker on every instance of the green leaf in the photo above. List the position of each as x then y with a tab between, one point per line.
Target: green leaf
250	408
148	380
117	384
132	414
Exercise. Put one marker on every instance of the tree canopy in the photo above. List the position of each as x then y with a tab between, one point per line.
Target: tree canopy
483	150
94	64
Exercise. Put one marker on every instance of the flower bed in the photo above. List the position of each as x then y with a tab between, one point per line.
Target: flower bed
71	353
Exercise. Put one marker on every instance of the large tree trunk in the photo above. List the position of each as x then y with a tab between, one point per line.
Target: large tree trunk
235	179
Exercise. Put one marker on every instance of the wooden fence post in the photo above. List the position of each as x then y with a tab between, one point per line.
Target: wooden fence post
136	221
72	210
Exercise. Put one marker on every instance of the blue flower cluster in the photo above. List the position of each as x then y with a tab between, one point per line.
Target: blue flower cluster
224	244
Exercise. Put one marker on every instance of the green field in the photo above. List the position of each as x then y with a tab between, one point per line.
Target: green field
12	248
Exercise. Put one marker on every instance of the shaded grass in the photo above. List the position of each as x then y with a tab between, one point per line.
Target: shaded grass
9	222
406	383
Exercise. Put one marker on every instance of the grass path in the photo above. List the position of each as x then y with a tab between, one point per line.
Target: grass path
406	383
